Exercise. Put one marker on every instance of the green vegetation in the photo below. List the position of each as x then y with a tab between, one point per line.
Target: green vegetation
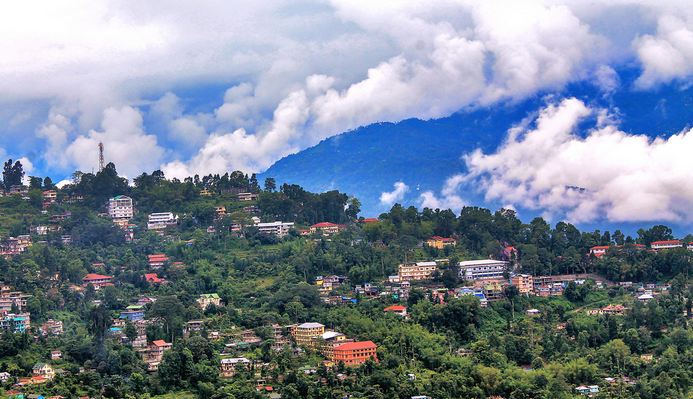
448	347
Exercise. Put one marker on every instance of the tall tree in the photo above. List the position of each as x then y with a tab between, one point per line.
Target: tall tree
12	173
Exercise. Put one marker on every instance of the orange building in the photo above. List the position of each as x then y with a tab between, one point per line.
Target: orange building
355	353
523	282
440	242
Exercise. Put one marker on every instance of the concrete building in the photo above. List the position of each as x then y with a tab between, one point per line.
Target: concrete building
667	244
120	207
355	353
599	250
43	370
97	280
161	220
523	282
209	299
230	366
155	353
399	310
417	271
16	323
482	269
325	228
440	242
304	333
279	229
247	196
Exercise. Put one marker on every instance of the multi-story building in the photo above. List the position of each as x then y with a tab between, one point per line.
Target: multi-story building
279	339
16	323
396	309
8	299
97	280
440	242
43	370
193	326
279	229
51	327
417	271
482	269
230	366
666	244
599	250
133	313
161	220
120	207
206	300
523	282
247	196
304	333
325	228
355	353
493	291
157	261
155	353
15	245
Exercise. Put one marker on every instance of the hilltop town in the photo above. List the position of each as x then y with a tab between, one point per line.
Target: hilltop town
217	287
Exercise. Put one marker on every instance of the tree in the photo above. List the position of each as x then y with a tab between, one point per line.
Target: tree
170	310
12	174
270	184
35	183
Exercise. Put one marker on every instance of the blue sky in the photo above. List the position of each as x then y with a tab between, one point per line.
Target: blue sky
207	87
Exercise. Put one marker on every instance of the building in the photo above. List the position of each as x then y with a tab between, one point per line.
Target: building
589	390
4	376
97	280
645	297
329	283
326	342
417	271
355	353
56	355
153	278
230	366
482	269
396	309
599	250
10	299
206	300
205	193
614	310
133	313
155	353
120	207
304	333
16	323
279	229
157	261
523	282
219	212
247	196
43	370
161	220
15	245
51	327
440	242
325	228
666	244
193	326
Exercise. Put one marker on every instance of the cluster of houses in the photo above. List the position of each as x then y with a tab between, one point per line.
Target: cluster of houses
13	314
655	246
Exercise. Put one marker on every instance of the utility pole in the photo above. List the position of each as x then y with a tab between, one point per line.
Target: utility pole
101	161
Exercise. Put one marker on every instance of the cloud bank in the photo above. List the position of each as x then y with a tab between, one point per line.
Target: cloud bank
607	173
396	195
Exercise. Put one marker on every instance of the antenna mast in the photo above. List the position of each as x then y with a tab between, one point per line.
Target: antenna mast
101	161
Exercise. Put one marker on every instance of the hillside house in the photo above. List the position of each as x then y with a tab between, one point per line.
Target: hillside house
230	366
355	353
247	196
161	220
439	242
155	353
98	281
278	228
399	310
120	207
666	244
43	370
206	300
417	271
326	228
157	261
482	269
304	333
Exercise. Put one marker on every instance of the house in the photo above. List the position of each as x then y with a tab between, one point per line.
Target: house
482	269
132	313
304	333
645	297
56	355
370	220
614	310
220	212
326	228
589	390
355	353
4	376
439	242
279	229
17	323
209	299
417	271
533	312
326	342
666	244
98	281
161	220
230	366
192	326
599	250
43	370
10	299
157	261
120	207
247	196
155	353
153	278
523	282
51	327
396	309
205	193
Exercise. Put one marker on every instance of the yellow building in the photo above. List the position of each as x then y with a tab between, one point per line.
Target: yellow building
304	333
524	283
417	271
440	242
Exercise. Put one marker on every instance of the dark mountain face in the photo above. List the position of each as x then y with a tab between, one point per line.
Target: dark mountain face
367	161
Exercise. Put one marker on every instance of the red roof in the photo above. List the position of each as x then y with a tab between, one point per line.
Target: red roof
395	308
443	239
94	276
152	278
160	342
324	224
352	346
600	247
371	220
665	242
158	256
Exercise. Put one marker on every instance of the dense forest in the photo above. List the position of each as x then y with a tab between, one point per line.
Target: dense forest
448	346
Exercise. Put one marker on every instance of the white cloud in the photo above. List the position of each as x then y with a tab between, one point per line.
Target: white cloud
449	199
396	195
667	55
607	173
125	143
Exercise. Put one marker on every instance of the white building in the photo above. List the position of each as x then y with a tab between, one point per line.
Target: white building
120	207
161	220
279	229
482	269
